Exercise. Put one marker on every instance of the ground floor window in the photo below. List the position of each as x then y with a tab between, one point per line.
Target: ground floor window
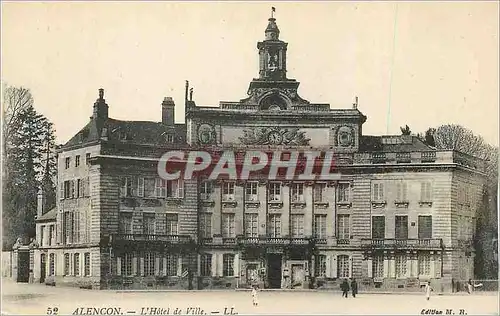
320	266
52	264
149	264
172	263
228	264
206	264
401	266
424	264
66	264
127	264
76	264
343	266
378	266
86	264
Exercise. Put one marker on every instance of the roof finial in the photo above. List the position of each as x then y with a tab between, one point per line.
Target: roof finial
191	94
101	94
355	104
273	9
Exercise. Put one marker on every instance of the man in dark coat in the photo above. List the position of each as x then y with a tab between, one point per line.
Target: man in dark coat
344	286
354	287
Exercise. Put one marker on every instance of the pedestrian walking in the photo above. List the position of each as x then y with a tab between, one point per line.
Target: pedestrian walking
344	286
354	287
255	300
428	290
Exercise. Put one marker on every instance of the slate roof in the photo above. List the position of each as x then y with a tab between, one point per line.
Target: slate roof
49	216
138	132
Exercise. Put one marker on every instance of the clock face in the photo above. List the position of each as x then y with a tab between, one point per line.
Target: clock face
275	138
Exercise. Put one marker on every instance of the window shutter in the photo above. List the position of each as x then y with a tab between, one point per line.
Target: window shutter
180	191
220	264
237	265
437	267
334	266
157	265
350	266
61	191
164	265
141	265
328	263
214	265
134	265
374	191
369	266
179	266
118	266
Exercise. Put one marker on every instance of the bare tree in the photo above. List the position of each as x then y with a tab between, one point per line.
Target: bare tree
459	138
15	100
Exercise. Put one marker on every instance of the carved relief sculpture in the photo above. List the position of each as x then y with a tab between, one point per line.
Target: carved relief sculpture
206	134
274	136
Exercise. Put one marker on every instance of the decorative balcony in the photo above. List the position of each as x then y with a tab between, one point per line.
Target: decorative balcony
151	239
403	157
402	243
276	241
377	158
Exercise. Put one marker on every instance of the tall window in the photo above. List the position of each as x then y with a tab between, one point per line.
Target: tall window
42	229
401	266
275	192
343	266
425	227
320	226
401	227
424	264
378	266
378	227
175	188
160	186
67	188
77	161
51	235
426	192
343	226
127	264
297	226
206	225
320	266
251	191
206	189
125	221
67	162
228	264
86	264
378	193
68	227
172	262
149	264
344	190
228	226
172	224
79	189
402	190
148	224
274	225
298	192
76	264
66	264
87	159
206	264
251	225
228	191
319	189
126	187
52	264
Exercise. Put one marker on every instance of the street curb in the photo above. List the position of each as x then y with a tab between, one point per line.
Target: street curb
294	291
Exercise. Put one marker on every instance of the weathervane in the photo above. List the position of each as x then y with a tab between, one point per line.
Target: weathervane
273	9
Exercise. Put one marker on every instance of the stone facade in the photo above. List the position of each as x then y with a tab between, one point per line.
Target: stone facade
400	213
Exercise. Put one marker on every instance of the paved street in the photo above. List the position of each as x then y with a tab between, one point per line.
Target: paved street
28	299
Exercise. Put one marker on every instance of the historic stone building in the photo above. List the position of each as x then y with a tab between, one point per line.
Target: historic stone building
400	214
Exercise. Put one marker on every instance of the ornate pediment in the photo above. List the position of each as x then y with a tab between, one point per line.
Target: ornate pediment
274	136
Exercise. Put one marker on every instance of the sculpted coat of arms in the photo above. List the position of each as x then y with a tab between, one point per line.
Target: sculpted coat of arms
274	136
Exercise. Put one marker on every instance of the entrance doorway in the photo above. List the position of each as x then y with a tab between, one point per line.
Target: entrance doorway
274	270
43	264
23	266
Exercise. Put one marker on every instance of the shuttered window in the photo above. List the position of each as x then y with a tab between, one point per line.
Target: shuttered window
425	227
378	227
401	227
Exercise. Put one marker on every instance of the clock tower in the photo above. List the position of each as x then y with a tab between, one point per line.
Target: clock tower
272	54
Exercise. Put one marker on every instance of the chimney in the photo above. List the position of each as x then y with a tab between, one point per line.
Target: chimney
100	107
40	204
167	111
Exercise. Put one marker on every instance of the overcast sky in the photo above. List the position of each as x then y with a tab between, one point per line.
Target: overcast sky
444	67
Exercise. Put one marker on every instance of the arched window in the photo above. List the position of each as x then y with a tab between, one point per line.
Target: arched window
273	102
